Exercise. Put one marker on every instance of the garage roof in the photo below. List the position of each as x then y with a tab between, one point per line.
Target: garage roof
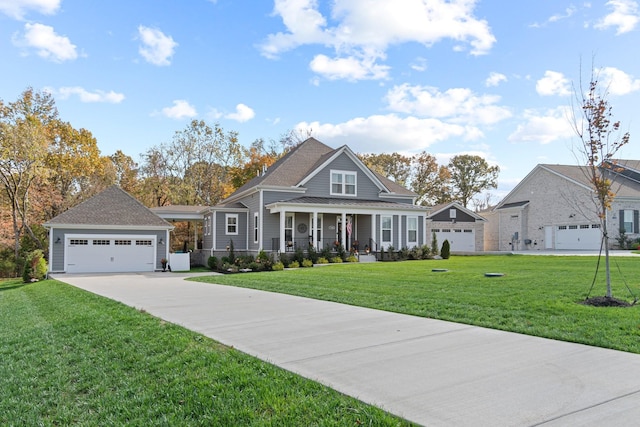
112	207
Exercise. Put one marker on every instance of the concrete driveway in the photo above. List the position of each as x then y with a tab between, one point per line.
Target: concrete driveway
428	371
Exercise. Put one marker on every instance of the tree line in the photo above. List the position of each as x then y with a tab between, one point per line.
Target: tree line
47	166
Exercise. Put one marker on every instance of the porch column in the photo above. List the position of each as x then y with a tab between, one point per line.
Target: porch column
195	236
314	232
374	238
283	216
343	231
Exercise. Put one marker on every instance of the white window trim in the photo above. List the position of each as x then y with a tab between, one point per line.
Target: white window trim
415	242
344	175
256	228
226	222
382	229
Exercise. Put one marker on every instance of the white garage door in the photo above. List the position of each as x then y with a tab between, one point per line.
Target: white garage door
459	240
578	237
109	254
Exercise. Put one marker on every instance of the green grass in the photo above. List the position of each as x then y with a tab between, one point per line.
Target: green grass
538	295
68	357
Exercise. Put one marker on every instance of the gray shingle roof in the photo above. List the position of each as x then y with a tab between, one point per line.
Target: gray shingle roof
111	207
292	167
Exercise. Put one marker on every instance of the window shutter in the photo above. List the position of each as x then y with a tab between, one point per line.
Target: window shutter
636	218
621	216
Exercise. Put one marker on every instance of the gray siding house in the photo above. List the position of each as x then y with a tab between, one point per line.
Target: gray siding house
110	232
315	196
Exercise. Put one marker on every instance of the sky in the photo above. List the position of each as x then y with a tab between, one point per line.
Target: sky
495	78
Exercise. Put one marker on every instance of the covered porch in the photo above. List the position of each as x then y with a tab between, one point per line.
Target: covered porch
358	226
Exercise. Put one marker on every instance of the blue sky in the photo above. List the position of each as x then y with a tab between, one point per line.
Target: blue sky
493	78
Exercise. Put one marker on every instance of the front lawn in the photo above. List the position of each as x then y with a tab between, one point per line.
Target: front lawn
68	357
538	295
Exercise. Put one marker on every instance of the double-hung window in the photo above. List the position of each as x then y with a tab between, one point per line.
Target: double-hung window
412	230
386	225
343	183
232	224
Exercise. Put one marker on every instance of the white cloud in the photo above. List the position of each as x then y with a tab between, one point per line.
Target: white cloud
350	68
86	96
157	48
17	9
624	16
47	43
375	134
420	64
617	81
364	30
181	109
457	105
553	83
568	12
495	79
242	114
544	128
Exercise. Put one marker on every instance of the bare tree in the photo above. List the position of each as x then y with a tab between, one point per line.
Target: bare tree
600	139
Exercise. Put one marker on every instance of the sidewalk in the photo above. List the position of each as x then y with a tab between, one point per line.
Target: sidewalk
428	371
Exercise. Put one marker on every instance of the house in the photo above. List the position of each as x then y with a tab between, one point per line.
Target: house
553	208
110	232
463	228
314	196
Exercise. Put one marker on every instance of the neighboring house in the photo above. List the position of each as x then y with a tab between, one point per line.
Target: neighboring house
314	196
553	208
463	228
110	232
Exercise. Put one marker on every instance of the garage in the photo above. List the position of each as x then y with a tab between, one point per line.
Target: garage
460	239
111	232
109	254
578	237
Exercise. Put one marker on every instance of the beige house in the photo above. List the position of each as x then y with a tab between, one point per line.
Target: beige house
553	208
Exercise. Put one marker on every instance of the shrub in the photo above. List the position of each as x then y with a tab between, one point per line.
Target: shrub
392	254
445	251
35	266
8	266
212	263
434	244
307	263
326	252
352	258
298	256
294	264
335	260
322	260
313	254
255	266
278	266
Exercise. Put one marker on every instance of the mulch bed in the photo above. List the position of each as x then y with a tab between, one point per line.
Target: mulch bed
606	302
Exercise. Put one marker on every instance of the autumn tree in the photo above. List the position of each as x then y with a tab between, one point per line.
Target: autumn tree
258	159
432	182
600	139
25	136
73	158
471	175
394	166
194	167
126	171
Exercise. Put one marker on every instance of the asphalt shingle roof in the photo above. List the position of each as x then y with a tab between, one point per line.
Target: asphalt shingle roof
111	207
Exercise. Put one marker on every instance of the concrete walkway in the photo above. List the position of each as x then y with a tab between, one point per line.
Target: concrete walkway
428	371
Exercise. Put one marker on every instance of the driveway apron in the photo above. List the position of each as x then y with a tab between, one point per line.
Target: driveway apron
431	372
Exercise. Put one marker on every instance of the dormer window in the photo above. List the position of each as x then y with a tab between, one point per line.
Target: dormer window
343	183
